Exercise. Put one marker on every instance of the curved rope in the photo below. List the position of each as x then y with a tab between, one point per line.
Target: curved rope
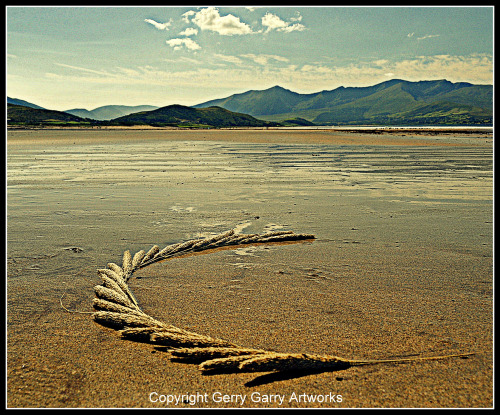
116	307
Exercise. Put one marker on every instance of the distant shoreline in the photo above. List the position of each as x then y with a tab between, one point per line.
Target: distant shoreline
487	130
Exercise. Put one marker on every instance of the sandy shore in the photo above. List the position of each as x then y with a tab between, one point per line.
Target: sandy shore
401	264
341	136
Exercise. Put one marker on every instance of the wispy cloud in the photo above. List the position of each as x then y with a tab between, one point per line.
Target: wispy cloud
316	69
297	18
263	59
476	68
412	34
184	59
228	25
470	68
79	68
228	58
301	78
426	37
179	43
160	26
274	22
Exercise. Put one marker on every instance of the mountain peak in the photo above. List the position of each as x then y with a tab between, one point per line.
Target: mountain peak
279	88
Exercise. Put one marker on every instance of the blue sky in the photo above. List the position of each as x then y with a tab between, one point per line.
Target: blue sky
85	57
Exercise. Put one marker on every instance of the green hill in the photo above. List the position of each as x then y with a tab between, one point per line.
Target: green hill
275	100
396	105
173	115
179	115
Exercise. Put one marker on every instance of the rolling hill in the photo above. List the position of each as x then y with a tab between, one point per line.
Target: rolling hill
180	115
394	102
109	112
20	115
174	115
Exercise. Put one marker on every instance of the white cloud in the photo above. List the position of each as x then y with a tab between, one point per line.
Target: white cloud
187	15
179	43
297	27
190	31
159	26
271	21
228	25
274	22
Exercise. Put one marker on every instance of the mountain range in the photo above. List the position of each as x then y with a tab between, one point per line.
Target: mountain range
394	102
106	112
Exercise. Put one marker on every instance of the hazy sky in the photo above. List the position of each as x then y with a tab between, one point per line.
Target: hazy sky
85	57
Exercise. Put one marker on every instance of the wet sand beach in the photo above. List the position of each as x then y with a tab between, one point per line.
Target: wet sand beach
401	265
